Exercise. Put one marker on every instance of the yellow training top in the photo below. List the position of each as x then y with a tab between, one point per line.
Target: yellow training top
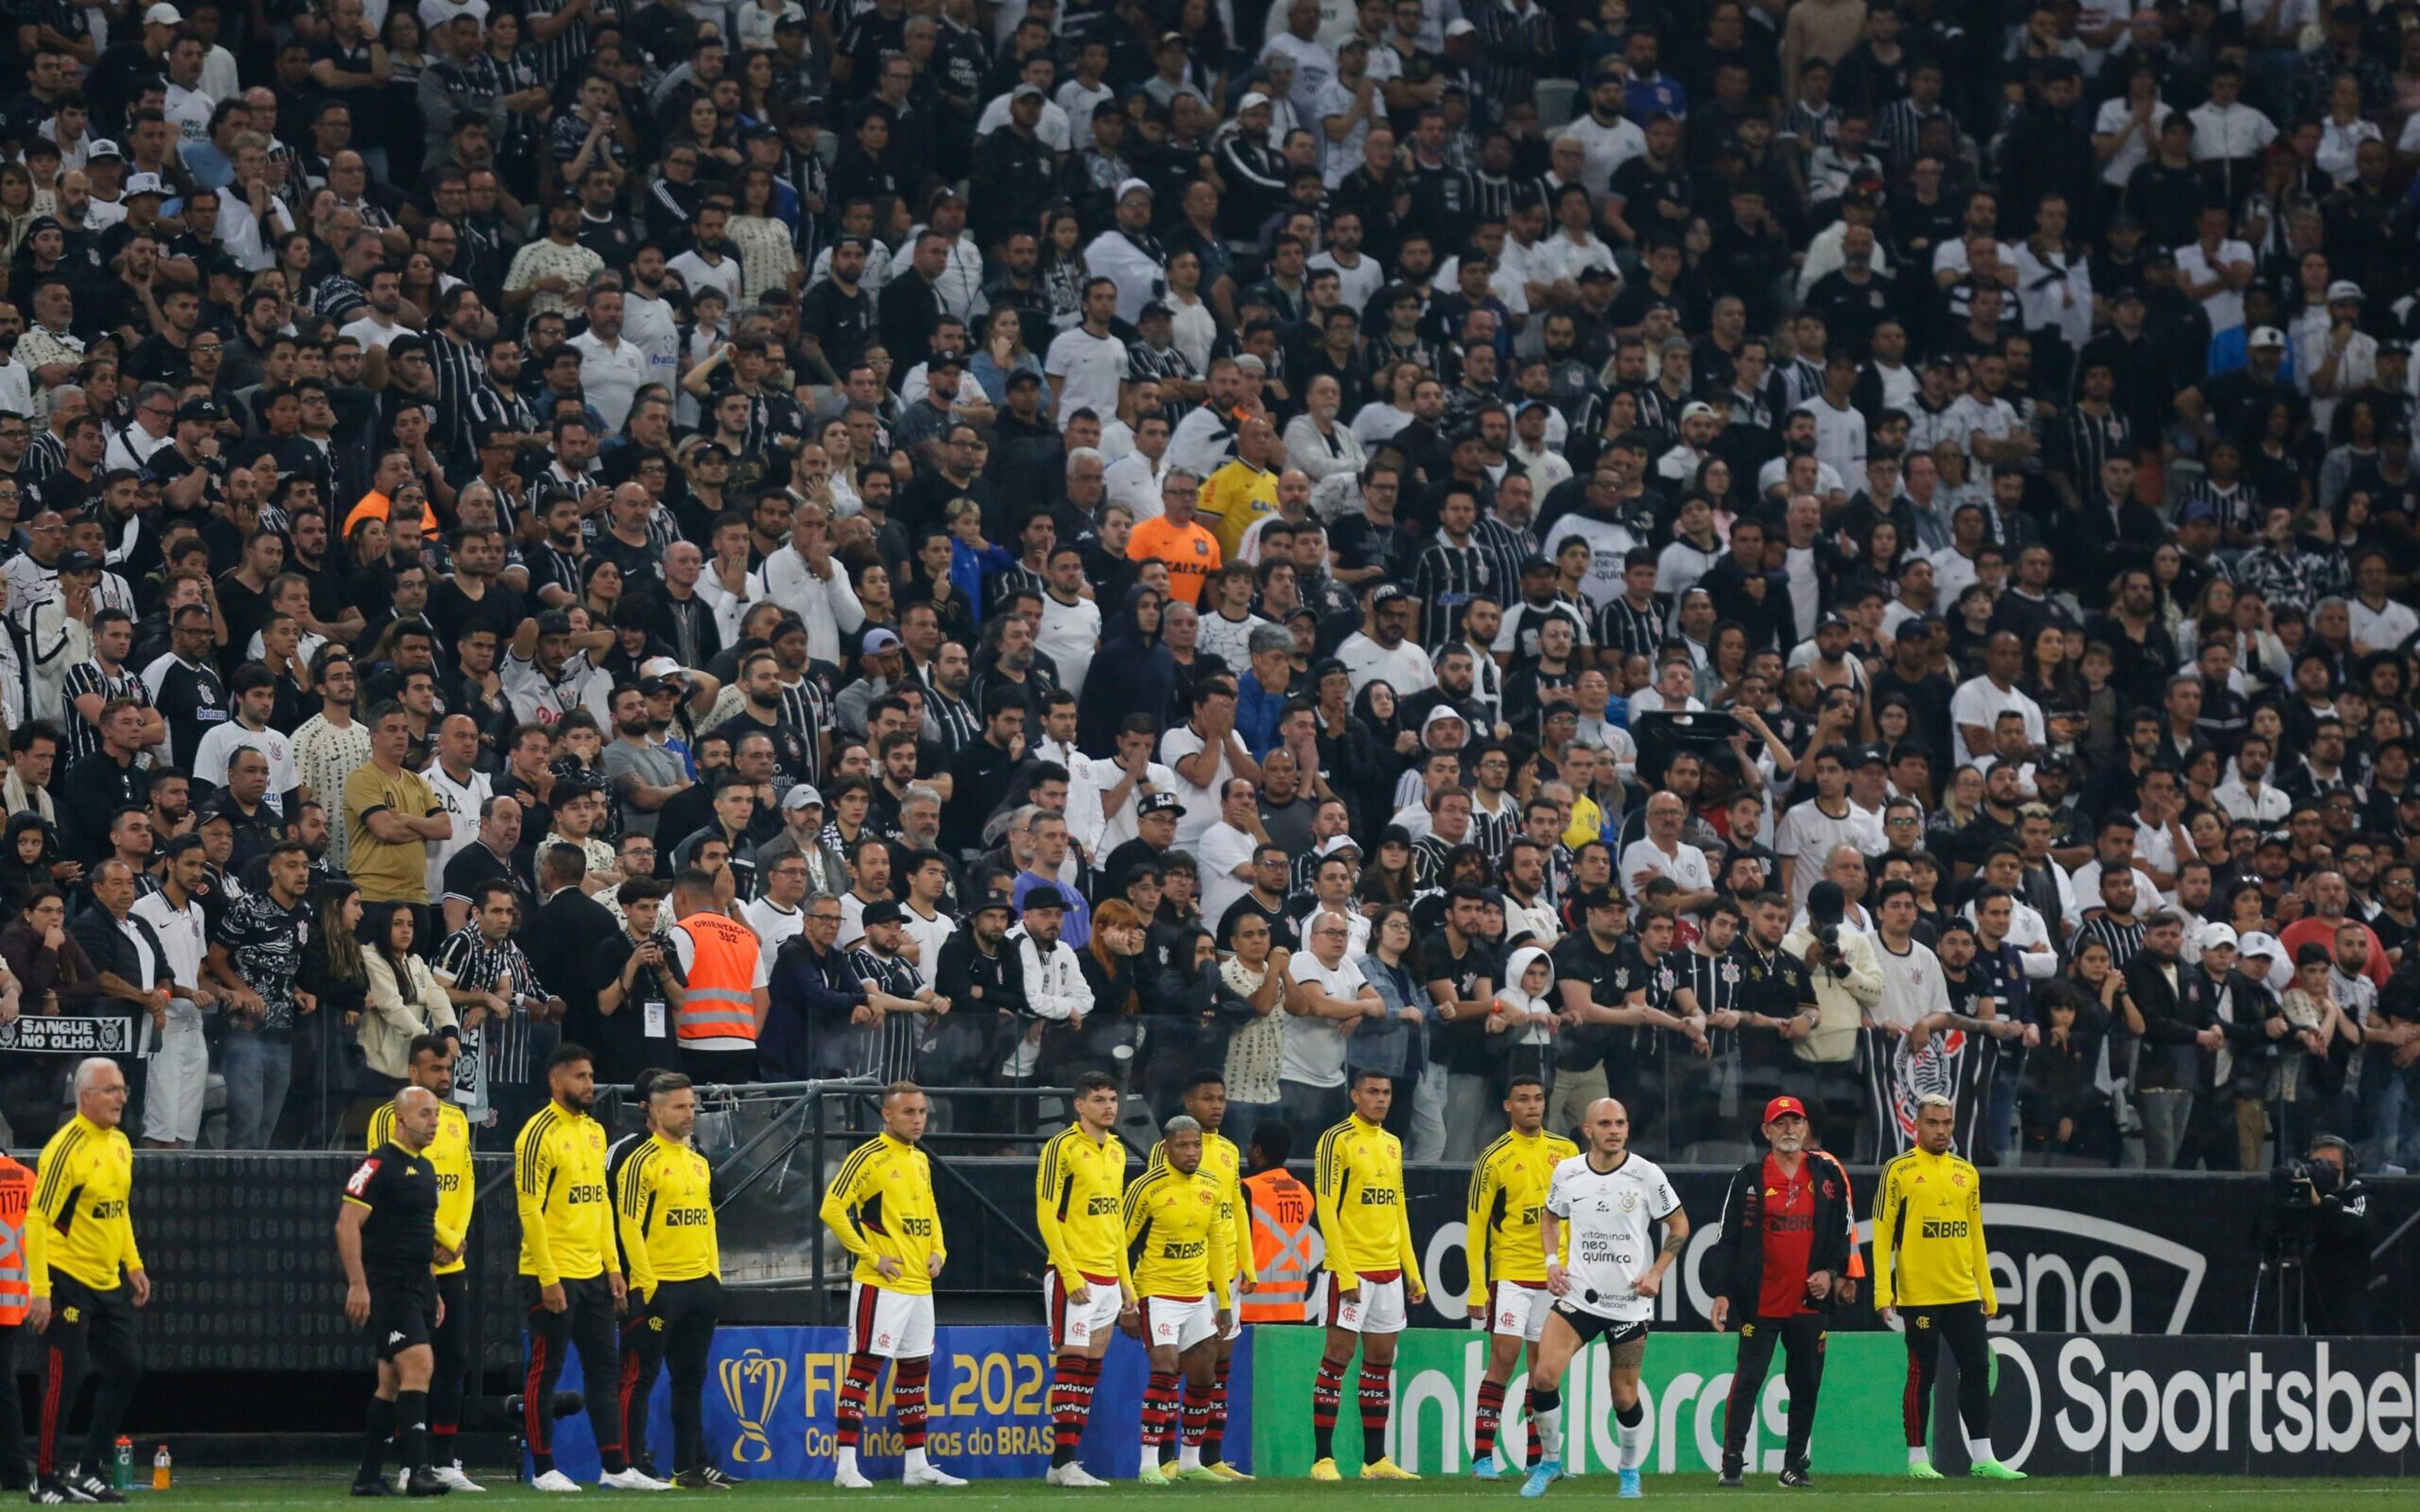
1508	1192
559	1185
81	1184
1223	1161
1359	1185
664	1203
450	1153
1179	1236
881	1204
1076	1201
1929	1234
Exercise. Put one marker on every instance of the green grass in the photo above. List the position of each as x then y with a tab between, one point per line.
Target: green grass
2178	1494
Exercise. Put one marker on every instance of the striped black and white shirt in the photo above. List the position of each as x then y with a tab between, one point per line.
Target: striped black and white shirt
1632	632
468	959
1445	578
2092	439
2123	940
46	455
553	59
91	677
954	723
1511	41
1900	127
1507	548
462	373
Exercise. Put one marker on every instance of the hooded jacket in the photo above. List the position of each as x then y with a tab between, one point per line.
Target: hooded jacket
1133	674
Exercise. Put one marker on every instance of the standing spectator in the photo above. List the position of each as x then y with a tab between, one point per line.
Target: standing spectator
255	949
390	814
181	1063
507	1017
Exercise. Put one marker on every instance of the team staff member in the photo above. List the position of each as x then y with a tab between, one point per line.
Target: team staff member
1930	1263
1608	1199
448	1154
1182	1232
1373	1278
20	1262
386	1236
1090	1287
572	1290
1508	1268
92	1280
1788	1229
882	1208
1205	1103
664	1210
720	997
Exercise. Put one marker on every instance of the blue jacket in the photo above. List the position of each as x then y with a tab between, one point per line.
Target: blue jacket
812	995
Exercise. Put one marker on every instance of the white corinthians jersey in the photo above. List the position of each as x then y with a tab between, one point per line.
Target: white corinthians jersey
1610	1213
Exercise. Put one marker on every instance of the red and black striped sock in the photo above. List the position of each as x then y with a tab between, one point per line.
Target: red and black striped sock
1491	1409
1071	1400
1376	1404
1158	1409
1214	1438
908	1378
1196	1415
848	1413
1326	1396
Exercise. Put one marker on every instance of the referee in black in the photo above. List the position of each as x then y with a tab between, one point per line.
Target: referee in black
386	1235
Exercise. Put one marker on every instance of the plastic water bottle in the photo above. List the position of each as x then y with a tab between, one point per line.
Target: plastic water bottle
160	1465
122	1464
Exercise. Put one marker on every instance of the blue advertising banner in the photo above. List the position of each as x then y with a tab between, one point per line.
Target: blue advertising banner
770	1392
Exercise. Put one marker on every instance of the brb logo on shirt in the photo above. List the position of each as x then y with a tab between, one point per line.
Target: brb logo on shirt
1100	1207
1945	1229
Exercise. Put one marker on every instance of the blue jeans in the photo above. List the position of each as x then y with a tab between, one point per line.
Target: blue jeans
2390	1114
256	1068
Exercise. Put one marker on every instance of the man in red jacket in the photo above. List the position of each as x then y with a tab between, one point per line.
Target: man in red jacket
1788	1250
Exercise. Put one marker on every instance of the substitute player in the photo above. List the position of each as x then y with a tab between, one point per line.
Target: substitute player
1181	1233
1373	1276
664	1210
1508	1267
572	1288
1090	1287
386	1236
881	1207
1608	1197
1931	1266
93	1280
1205	1103
448	1154
1789	1224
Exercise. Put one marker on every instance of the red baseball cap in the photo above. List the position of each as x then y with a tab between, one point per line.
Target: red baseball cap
1781	1106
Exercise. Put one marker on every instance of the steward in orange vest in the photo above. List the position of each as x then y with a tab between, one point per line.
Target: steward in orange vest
722	995
1282	1227
21	1257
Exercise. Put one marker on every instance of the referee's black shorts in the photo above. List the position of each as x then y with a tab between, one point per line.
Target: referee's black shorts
403	1316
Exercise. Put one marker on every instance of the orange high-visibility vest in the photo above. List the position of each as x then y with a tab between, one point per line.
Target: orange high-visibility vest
16	1277
1281	1234
720	1002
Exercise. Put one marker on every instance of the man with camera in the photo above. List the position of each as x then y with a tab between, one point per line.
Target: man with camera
2325	1201
1846	979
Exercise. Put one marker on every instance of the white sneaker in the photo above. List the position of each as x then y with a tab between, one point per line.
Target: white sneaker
931	1475
452	1475
1079	1475
632	1479
555	1480
849	1480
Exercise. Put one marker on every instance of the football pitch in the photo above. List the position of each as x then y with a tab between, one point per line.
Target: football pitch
236	1489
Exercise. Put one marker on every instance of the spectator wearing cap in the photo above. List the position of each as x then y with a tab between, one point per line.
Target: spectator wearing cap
1058	998
980	971
1128	254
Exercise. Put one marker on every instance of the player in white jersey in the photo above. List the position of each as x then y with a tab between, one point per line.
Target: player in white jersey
1611	1199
